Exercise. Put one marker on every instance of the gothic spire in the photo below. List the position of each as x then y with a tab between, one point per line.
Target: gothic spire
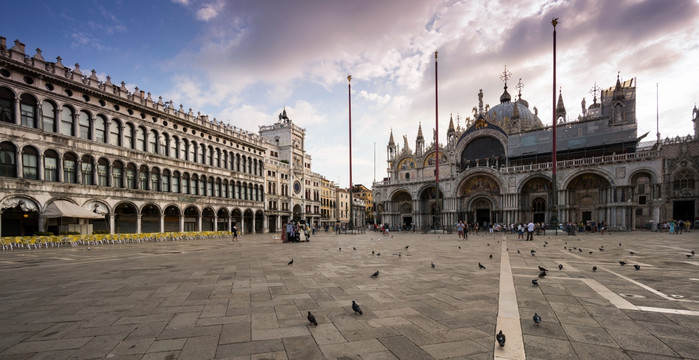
451	129
419	133
560	108
390	141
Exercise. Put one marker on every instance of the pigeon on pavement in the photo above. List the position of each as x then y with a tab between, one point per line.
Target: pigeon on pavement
537	319
542	274
406	247
480	266
376	274
312	319
637	267
500	337
560	266
432	264
290	262
541	268
594	268
356	308
491	256
535	282
622	263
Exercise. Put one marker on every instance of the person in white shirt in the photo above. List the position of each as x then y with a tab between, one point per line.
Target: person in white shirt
530	231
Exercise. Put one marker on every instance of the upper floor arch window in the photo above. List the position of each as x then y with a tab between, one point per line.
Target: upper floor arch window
48	116
28	110
7	108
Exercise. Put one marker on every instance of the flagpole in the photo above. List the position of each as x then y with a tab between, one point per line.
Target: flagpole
350	226
554	180
436	145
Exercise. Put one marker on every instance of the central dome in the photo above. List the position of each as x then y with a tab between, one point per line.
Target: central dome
513	117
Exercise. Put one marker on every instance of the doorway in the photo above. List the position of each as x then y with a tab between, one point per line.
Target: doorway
683	210
407	222
482	216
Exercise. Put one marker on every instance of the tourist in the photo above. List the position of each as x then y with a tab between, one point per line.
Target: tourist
460	229
235	232
530	231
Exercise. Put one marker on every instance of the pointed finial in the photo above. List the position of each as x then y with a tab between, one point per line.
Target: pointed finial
554	22
435	54
349	78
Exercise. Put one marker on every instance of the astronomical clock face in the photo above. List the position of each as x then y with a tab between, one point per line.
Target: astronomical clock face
297	186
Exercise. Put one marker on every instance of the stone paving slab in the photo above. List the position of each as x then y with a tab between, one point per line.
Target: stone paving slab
218	299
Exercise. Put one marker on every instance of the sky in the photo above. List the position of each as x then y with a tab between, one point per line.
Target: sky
243	62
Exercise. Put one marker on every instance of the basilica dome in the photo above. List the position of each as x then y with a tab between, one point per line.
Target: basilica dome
513	117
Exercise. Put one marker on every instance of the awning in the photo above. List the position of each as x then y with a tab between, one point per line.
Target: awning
62	208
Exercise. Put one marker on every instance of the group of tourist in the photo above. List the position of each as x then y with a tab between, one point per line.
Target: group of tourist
296	232
674	226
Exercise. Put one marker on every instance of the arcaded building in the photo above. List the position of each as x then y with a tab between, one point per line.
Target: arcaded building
497	169
73	148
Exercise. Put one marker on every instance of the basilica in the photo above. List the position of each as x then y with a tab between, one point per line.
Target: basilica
497	169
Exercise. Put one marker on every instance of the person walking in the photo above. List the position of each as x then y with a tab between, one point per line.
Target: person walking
530	231
460	229
520	231
235	232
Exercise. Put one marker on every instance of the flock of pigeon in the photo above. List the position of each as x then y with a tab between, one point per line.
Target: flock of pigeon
499	337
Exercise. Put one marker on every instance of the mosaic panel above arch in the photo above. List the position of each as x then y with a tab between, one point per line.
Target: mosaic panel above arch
536	185
479	184
587	182
406	164
430	160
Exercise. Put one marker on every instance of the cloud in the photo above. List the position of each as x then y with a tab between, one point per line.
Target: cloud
210	10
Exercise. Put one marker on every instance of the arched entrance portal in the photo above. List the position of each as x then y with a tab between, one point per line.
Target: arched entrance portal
20	217
535	198
298	212
125	219
478	196
207	219
172	219
247	220
400	211
259	221
482	210
150	219
237	219
588	197
191	219
222	219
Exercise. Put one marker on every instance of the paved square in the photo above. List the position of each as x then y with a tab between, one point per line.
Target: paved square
218	299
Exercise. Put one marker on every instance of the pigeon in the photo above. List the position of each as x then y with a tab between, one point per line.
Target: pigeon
622	263
632	253
480	266
692	252
544	245
546	242
459	247
488	244
399	254
565	247
601	249
579	249
500	337
378	253
406	247
590	252
541	268
689	256
542	274
594	268
560	266
340	249
537	319
532	251
491	256
376	274
432	264
619	244
312	319
354	248
290	262
535	282
356	308
637	267
518	252
372	252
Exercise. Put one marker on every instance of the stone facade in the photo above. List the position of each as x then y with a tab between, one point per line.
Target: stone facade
498	170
